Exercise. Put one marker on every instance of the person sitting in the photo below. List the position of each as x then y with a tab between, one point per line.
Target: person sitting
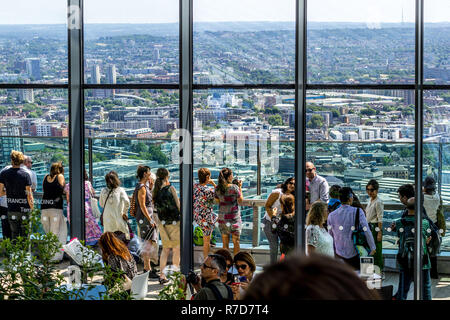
116	255
227	277
245	265
214	289
315	277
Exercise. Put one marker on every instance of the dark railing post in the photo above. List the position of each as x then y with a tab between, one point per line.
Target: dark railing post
76	118
439	176
186	167
91	177
300	129
418	285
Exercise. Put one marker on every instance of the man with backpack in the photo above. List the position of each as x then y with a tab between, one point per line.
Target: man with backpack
214	289
405	256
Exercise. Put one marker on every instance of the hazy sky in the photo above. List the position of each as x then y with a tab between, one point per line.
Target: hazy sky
160	11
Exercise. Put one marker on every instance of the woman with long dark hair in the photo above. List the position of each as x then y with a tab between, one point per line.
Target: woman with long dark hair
52	217
144	217
204	215
273	208
167	205
230	197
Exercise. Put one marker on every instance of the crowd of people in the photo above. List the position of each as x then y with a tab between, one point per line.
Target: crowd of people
334	219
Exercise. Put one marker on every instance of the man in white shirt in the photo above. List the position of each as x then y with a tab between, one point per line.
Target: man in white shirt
28	163
318	186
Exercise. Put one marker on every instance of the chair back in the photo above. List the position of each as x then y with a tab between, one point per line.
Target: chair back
139	286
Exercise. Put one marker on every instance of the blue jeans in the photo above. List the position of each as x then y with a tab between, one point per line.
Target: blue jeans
405	279
273	240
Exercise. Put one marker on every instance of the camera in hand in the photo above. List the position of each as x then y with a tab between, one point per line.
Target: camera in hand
236	181
192	278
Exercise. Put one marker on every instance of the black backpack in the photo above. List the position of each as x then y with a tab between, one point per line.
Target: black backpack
216	291
405	255
166	207
286	230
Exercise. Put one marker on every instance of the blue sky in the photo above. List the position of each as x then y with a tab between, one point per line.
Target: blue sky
161	11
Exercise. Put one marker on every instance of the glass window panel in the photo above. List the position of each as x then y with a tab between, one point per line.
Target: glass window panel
436	152
136	43
131	113
244	41
34	112
436	42
355	41
360	115
43	151
230	127
33	47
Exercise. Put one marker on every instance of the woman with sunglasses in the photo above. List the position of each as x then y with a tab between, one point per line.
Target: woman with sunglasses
245	265
374	213
273	207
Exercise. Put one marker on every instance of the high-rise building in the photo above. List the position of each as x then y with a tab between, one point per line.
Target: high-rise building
9	143
95	74
26	95
34	68
111	78
156	55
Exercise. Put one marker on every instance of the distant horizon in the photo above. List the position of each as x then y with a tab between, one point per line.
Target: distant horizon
222	22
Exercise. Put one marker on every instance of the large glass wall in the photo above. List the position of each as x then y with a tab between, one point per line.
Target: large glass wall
243	95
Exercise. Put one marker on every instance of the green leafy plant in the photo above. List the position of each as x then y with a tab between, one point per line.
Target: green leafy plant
28	271
176	289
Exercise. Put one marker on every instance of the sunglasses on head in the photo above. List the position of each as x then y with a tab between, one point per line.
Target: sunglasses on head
241	266
206	266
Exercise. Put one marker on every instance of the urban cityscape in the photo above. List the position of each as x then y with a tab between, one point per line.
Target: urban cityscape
352	135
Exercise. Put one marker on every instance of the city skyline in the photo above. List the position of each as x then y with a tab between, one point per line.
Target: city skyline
153	11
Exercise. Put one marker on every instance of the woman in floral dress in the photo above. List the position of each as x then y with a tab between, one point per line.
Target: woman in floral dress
93	231
230	198
203	207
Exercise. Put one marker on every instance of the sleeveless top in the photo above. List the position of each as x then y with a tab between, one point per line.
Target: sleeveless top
53	194
166	207
148	201
276	204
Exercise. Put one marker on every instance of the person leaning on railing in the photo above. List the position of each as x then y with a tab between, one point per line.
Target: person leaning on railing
230	197
273	208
